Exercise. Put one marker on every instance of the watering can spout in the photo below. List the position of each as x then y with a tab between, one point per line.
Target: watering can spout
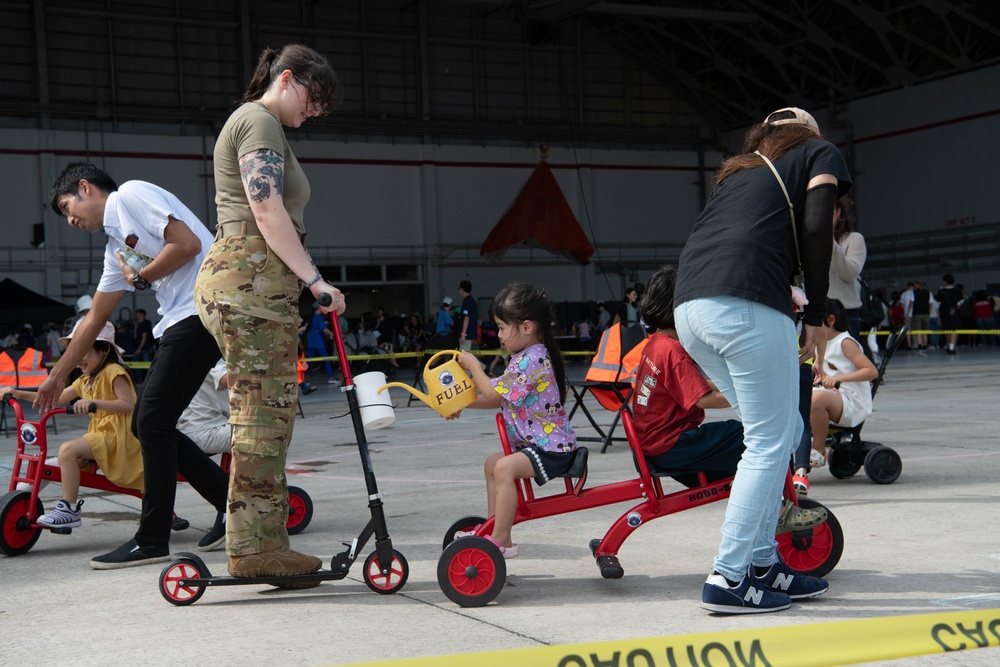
419	394
449	387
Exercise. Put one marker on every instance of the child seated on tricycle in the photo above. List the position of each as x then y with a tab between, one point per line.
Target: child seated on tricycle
105	389
843	394
530	395
669	402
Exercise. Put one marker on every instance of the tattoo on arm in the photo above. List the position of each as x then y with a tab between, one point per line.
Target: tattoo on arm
261	172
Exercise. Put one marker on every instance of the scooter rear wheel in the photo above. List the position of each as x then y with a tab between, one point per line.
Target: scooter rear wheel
300	510
16	534
817	551
387	580
187	566
471	572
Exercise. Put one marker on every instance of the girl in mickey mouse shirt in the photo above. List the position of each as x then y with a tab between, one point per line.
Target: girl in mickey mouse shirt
530	395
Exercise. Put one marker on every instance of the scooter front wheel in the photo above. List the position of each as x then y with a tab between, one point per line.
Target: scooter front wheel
17	536
184	567
388	579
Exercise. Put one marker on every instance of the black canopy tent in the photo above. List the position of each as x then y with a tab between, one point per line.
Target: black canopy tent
20	305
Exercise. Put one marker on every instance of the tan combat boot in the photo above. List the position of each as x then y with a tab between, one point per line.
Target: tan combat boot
279	562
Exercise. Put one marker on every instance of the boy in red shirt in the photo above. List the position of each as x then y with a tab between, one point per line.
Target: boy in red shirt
669	403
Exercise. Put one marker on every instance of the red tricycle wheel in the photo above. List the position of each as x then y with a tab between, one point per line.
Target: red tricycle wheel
172	591
471	572
390	580
465	523
814	555
300	510
16	535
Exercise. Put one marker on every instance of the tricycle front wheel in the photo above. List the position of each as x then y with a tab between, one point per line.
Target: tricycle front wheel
17	535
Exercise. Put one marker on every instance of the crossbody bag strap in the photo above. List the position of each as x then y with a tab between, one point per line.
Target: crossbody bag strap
791	209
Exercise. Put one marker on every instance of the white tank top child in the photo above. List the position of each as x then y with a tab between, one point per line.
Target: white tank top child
855	396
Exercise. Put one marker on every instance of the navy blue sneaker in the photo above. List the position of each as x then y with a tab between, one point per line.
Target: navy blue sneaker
782	579
750	596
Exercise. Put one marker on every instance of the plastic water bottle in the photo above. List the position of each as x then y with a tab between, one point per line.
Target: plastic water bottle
138	261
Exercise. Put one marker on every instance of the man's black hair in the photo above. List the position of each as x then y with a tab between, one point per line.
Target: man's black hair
68	182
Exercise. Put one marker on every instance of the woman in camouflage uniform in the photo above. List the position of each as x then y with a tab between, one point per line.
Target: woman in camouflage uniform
247	296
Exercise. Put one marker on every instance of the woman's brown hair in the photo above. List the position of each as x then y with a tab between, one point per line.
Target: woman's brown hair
844	224
307	66
771	140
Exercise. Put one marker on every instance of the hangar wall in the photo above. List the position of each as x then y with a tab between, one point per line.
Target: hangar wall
922	158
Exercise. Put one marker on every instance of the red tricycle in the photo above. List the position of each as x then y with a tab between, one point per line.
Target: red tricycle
472	571
20	508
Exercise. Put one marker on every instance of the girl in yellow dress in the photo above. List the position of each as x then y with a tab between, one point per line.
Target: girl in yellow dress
106	385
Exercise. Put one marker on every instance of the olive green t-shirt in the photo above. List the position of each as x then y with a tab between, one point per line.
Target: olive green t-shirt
249	129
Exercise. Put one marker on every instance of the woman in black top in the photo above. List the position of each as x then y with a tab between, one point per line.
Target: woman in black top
733	312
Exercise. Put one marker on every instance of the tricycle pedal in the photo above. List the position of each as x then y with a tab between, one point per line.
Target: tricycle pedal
61	531
610	567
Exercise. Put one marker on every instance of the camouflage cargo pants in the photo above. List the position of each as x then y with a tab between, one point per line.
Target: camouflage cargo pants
247	298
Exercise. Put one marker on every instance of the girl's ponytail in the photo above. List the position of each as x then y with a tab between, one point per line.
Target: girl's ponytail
555	356
261	77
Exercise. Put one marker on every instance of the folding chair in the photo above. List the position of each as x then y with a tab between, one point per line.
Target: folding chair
435	343
609	379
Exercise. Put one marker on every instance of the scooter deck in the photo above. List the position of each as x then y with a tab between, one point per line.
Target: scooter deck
317	577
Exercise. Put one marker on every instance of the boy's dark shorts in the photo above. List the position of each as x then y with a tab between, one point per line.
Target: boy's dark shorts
548	465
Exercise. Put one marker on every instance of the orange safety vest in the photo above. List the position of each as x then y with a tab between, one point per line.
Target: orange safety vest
301	369
8	371
30	372
606	364
609	366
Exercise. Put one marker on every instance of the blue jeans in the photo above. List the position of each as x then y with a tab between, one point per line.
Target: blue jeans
749	351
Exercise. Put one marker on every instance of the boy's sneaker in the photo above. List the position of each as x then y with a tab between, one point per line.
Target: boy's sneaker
801	484
65	515
793	517
782	579
216	537
131	554
750	596
334	381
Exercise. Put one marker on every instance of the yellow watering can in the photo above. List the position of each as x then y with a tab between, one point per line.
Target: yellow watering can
449	387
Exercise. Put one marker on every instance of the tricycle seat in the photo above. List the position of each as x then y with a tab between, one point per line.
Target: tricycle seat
578	468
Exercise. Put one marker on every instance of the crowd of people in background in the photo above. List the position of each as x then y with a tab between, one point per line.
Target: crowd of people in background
950	307
381	331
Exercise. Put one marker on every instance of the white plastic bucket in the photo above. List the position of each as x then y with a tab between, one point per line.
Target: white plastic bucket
376	409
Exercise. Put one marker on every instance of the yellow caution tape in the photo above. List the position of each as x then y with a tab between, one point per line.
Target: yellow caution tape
836	643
